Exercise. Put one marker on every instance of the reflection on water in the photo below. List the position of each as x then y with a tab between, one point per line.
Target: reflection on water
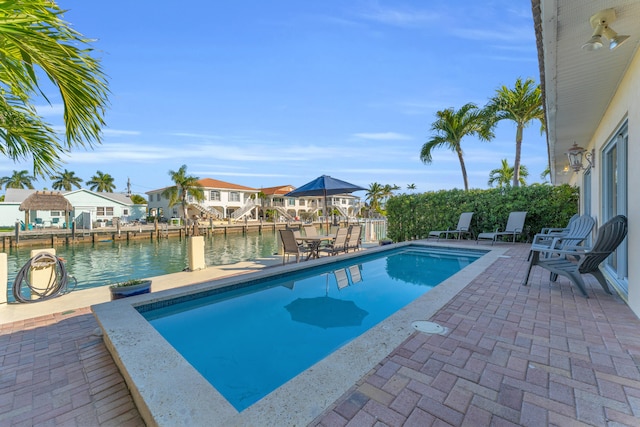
107	262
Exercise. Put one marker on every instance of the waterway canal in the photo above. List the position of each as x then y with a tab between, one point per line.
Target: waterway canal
102	263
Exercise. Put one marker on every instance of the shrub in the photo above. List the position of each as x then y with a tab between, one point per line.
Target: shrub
412	216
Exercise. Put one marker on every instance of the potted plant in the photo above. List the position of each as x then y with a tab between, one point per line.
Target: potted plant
130	288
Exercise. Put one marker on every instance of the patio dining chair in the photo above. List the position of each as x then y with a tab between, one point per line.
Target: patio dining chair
464	223
310	231
610	235
514	227
353	239
290	246
339	243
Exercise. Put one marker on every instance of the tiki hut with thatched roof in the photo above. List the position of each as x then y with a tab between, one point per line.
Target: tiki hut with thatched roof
45	201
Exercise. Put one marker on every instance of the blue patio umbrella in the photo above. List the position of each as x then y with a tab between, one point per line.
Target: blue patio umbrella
324	186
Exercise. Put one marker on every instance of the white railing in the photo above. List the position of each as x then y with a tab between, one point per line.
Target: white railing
374	230
250	204
208	210
282	211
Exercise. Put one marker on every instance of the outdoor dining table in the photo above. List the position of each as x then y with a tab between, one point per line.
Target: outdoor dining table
314	244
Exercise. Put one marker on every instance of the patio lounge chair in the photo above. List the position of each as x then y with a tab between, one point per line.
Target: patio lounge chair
461	229
514	227
290	246
339	243
578	231
610	235
558	231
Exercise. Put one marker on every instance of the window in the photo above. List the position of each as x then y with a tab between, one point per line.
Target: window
302	202
614	201
189	198
150	198
104	210
158	197
234	196
291	201
125	211
214	195
56	213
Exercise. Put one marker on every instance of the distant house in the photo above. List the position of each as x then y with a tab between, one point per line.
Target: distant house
221	200
89	208
347	205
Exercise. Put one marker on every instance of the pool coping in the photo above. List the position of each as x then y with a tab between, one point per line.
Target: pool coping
181	396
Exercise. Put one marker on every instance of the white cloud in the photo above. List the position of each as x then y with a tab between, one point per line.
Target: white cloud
50	110
118	132
398	17
383	136
509	34
244	174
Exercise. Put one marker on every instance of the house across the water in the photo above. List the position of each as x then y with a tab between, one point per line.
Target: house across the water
89	209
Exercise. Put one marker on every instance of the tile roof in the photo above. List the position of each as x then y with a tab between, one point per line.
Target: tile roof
280	190
215	183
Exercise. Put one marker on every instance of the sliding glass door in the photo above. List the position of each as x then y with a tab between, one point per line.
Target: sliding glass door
614	193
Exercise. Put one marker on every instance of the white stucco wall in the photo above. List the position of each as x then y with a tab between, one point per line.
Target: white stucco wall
9	214
625	106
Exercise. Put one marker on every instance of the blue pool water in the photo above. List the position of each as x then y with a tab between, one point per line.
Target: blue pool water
250	340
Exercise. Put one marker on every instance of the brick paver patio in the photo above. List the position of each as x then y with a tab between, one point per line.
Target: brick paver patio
56	372
533	356
513	355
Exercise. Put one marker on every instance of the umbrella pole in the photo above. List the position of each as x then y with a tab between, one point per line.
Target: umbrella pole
326	213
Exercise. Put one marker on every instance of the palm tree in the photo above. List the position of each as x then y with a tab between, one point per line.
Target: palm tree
138	199
504	175
411	186
66	181
185	185
101	182
35	41
374	195
387	191
522	104
19	179
546	173
451	127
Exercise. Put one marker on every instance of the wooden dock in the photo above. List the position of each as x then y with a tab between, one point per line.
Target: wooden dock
56	237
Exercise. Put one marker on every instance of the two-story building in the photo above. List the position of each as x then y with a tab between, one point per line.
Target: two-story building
222	200
291	208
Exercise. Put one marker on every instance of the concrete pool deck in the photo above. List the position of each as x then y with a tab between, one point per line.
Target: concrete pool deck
513	355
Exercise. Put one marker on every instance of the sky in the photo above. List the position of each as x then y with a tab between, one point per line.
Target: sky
269	93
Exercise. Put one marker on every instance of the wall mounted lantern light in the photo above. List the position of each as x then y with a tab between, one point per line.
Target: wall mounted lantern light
577	155
600	23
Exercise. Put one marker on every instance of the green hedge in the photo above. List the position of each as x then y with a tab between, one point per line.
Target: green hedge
412	216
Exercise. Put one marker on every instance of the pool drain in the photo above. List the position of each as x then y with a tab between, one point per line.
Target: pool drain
428	327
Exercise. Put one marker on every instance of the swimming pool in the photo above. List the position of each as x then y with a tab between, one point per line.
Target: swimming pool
168	390
249	341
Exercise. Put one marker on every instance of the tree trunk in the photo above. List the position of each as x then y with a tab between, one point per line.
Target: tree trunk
464	170
516	163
